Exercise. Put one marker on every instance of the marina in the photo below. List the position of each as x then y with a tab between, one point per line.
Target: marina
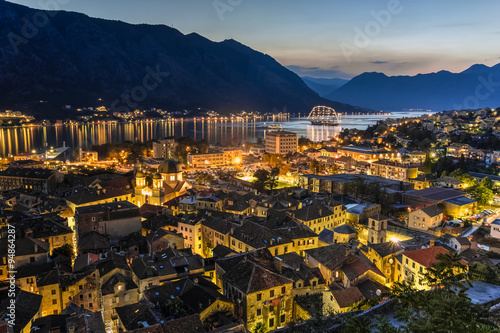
216	130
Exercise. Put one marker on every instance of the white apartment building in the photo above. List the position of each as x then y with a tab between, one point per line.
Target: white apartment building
281	142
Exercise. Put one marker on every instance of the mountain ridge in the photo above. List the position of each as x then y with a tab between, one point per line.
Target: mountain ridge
476	87
78	60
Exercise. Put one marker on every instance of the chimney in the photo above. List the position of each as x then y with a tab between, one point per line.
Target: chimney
36	247
432	242
278	264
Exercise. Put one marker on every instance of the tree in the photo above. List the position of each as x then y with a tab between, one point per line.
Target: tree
445	308
175	308
357	324
427	164
272	180
65	250
315	166
284	169
260	328
203	178
448	272
481	194
487	182
262	178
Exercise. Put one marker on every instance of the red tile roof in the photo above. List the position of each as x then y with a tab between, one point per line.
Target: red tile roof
427	257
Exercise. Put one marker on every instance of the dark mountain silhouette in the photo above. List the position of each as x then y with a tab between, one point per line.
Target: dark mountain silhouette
73	59
324	87
476	87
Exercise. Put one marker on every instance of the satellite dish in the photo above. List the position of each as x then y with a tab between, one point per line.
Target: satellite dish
378	292
391	261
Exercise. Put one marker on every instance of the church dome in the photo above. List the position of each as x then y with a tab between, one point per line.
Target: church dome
169	166
139	175
157	176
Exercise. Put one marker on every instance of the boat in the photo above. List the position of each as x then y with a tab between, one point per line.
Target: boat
274	127
324	116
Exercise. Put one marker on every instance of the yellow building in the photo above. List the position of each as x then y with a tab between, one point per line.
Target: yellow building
96	195
117	291
251	236
319	217
414	265
167	184
425	218
393	170
383	255
27	251
261	296
459	207
215	160
42	279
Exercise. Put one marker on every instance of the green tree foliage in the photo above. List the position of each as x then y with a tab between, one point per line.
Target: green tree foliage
126	152
481	194
445	308
65	250
262	178
479	191
260	328
315	166
357	324
273	160
272	181
187	145
487	183
203	178
427	164
448	272
174	308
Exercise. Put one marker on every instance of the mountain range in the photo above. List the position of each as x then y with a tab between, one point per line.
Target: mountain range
72	59
324	87
476	87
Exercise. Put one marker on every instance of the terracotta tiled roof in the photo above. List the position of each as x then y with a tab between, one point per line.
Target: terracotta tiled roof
427	257
347	297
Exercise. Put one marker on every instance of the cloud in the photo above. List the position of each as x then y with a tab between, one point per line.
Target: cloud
318	72
379	62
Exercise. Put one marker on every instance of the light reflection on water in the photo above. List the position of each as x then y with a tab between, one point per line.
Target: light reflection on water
21	139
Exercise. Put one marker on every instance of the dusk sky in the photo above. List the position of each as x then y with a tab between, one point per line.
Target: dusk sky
420	36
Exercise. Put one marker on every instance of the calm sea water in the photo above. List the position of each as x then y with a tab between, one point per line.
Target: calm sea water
21	139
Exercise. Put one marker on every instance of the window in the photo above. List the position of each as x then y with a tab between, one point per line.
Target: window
283	289
54	301
90	305
271	308
80	287
53	291
271	293
282	319
259	297
259	312
271	322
